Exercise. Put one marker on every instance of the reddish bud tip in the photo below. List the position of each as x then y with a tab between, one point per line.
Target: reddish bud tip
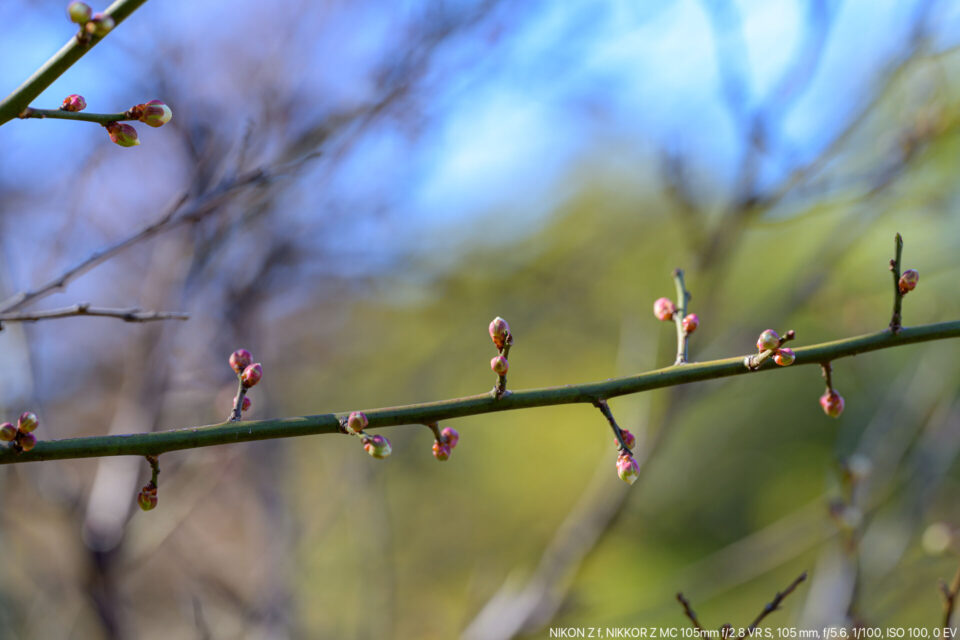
499	332
7	432
123	134
356	422
79	12
832	403
441	451
73	102
768	340
499	365
628	438
240	360
251	375
377	446
664	309
908	281
627	468
147	498
99	25
245	405
690	323
27	441
27	422
450	436
784	357
154	113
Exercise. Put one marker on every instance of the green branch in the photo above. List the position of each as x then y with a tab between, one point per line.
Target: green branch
430	412
58	114
14	104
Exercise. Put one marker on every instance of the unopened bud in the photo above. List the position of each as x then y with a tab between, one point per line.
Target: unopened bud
832	403
441	451
73	102
27	422
377	446
664	309
356	422
99	25
7	432
768	340
27	441
690	323
245	404
628	439
784	357
147	498
79	12
499	332
123	134
450	436
240	360
251	375
154	113
627	468
908	281
499	365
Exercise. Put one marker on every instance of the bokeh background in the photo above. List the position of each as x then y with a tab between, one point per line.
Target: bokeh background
424	167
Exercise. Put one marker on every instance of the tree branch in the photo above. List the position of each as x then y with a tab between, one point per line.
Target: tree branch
683	297
689	612
773	605
226	433
59	114
949	598
132	314
897	317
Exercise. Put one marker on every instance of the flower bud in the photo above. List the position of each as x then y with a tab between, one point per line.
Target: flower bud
7	432
784	357
79	12
147	498
627	468
27	441
155	113
628	438
377	446
240	360
768	340
690	323
122	134
499	332
251	375
499	365
73	102
832	403
664	309
245	405
27	422
441	451
450	436
908	281
99	25
356	422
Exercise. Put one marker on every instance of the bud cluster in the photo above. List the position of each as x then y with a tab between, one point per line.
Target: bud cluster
22	435
665	310
502	339
249	373
770	343
444	445
154	114
377	446
91	24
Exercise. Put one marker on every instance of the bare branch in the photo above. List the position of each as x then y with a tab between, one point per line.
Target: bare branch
132	314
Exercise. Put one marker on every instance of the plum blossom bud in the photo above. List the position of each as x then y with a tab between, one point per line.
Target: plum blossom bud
628	438
441	451
123	134
690	323
377	446
251	375
240	360
7	432
27	441
27	422
499	332
499	365
245	405
832	403
79	12
155	113
784	357
356	422
73	102
627	468
147	498
99	25
664	309
450	436
768	340
908	281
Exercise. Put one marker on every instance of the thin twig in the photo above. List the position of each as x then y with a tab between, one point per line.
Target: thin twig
617	431
896	319
950	598
683	297
132	314
84	116
689	612
773	605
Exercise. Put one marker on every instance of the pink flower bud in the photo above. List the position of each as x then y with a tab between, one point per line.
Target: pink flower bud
123	134
245	405
499	365
908	281
499	332
450	436
628	438
690	323
768	340
27	441
155	113
627	468
664	309
7	432
251	375
240	360
27	422
100	25
441	451
79	12
784	357
147	498
832	403
377	446
73	102
356	422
